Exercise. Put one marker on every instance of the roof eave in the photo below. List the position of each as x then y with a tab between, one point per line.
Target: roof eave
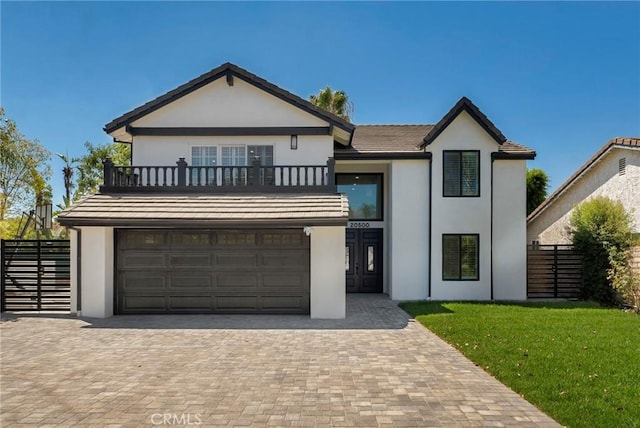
128	222
513	156
223	71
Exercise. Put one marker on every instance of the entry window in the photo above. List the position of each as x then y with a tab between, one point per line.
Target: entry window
460	257
365	195
371	258
461	173
346	258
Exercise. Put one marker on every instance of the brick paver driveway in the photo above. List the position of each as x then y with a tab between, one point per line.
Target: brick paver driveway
375	368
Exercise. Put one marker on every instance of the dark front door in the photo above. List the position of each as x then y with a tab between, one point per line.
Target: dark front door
364	260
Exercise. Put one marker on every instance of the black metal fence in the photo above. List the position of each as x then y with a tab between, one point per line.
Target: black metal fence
553	271
36	275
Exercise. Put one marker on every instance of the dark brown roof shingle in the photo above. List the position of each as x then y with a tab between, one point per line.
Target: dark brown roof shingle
406	140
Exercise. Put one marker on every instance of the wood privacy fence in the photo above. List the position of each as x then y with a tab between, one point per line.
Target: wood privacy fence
553	271
36	275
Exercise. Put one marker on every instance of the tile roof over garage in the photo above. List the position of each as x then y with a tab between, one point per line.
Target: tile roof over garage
207	210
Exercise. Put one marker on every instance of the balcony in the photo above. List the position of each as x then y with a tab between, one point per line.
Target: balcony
255	178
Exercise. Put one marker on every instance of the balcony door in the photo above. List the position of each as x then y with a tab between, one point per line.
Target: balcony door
363	260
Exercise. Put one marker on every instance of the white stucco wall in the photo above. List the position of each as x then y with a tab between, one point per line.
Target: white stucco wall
312	149
97	271
509	230
328	290
218	104
409	229
464	215
550	227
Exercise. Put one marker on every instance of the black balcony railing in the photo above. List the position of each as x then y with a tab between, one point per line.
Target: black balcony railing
255	178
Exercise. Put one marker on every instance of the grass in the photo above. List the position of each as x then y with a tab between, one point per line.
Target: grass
577	362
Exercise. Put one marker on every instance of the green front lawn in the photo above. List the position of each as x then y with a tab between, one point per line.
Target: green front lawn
576	361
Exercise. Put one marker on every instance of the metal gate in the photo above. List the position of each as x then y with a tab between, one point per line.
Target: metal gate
36	275
553	271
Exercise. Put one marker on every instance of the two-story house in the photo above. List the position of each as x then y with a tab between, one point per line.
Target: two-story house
245	198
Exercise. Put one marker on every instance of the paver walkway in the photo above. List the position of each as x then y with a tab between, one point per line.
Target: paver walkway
376	368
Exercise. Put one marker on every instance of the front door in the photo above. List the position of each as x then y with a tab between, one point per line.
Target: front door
363	260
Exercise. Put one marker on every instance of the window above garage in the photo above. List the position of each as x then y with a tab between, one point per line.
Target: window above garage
365	195
231	155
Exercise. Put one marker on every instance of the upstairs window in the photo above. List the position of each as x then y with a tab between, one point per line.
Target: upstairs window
460	257
204	155
365	195
265	153
461	173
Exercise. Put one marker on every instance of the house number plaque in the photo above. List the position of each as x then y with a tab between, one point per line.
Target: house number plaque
359	225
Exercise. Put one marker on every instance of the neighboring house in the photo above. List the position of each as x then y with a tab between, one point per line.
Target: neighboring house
244	197
614	172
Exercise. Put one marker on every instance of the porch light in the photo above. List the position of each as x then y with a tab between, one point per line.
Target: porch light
294	142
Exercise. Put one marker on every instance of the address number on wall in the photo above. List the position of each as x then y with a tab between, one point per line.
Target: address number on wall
359	225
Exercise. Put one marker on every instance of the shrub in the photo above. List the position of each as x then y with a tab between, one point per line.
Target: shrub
601	233
623	279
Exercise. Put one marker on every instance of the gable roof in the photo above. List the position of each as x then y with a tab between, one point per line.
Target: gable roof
406	141
621	142
226	70
464	104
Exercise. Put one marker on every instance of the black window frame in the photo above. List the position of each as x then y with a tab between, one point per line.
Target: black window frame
380	193
461	174
477	261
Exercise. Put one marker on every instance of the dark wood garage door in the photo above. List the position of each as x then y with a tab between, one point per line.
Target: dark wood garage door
212	271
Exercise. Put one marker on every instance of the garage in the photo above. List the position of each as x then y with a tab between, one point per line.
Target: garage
212	271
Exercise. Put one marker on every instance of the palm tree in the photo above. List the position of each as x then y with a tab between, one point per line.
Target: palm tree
336	102
67	173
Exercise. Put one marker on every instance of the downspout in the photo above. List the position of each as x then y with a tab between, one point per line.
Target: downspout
491	226
78	270
429	232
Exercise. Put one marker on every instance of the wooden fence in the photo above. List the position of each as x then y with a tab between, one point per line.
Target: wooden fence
553	271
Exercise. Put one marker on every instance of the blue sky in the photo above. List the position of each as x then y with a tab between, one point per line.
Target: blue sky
562	78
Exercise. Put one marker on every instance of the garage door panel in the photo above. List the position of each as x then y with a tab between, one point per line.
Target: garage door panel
192	260
146	303
142	280
236	260
284	281
193	303
205	271
133	260
237	281
284	259
191	281
237	303
282	303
